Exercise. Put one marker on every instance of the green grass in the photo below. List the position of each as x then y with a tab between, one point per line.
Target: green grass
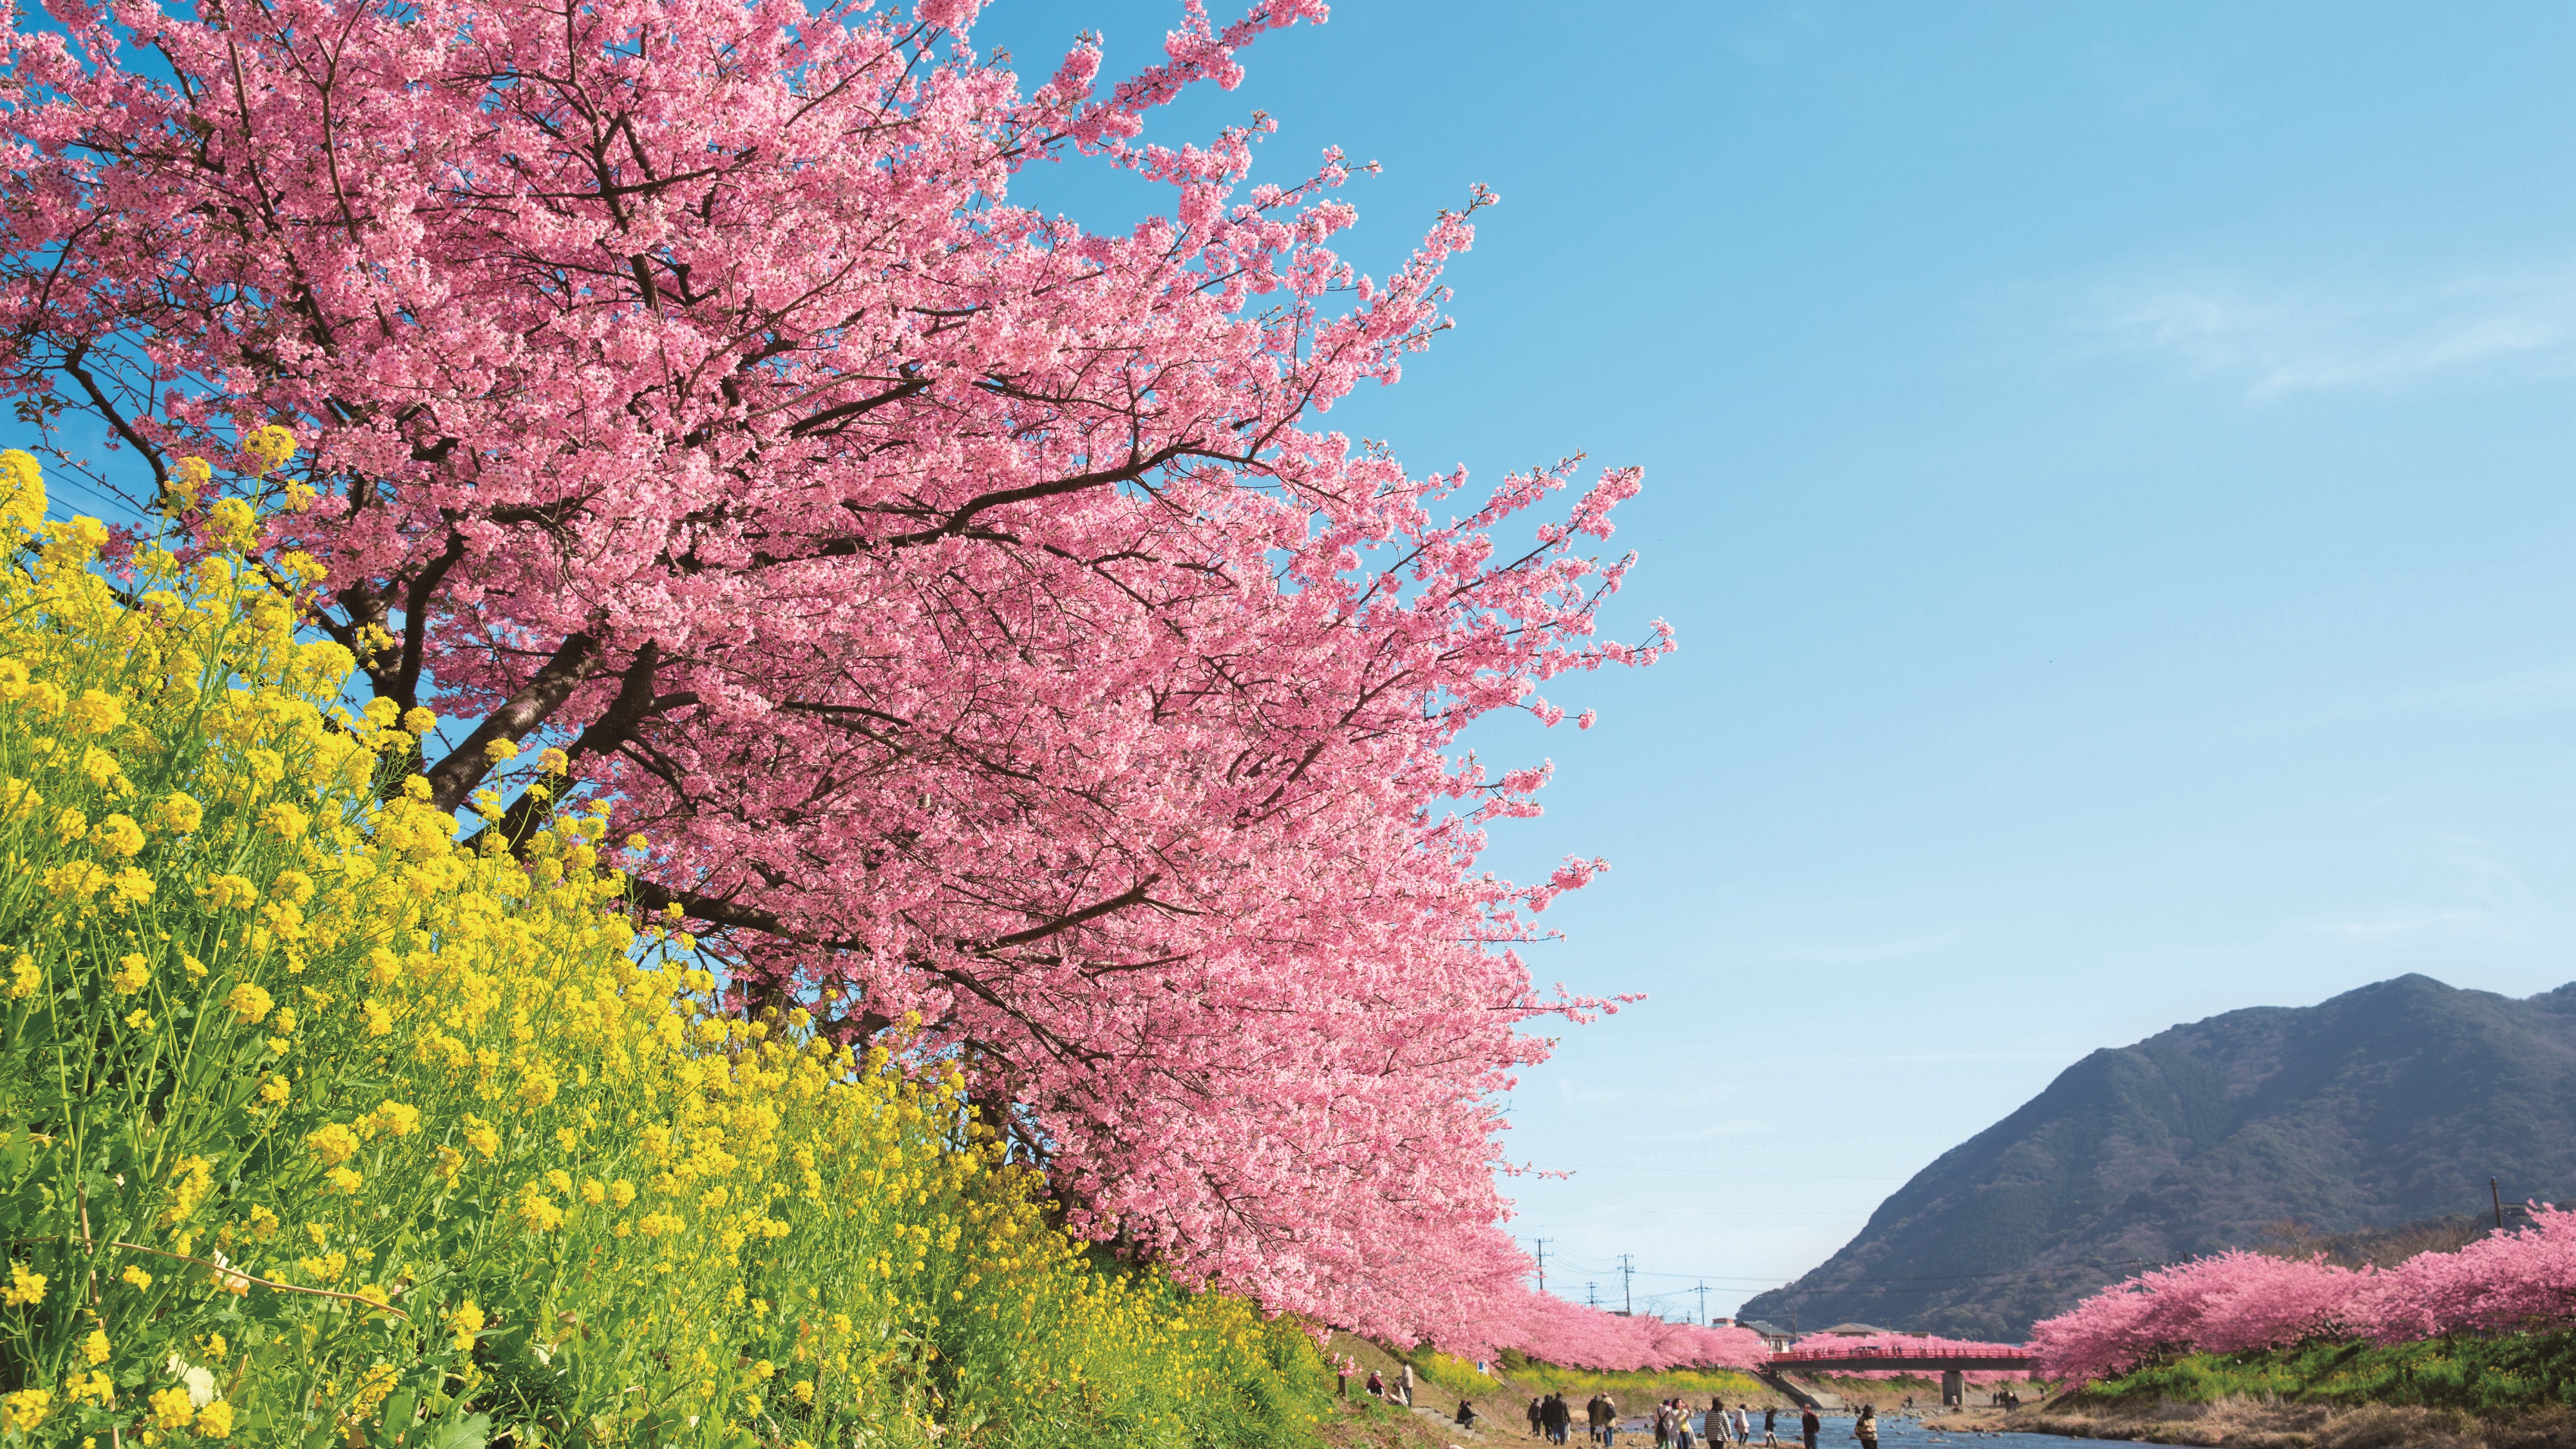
1635	1387
2511	1371
1454	1374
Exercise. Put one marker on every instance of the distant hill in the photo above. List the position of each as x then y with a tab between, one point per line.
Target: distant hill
2331	1125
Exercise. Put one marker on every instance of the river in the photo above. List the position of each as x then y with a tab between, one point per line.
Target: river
1893	1433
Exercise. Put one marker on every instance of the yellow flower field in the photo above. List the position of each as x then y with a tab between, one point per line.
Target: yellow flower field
319	1127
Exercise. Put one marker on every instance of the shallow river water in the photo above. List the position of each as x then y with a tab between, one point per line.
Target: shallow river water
1893	1433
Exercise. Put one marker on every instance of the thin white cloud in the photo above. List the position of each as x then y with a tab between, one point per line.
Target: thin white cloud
2291	337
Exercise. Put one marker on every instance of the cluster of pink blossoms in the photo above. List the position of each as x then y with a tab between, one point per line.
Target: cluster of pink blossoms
2235	1302
974	611
1559	1332
1859	1347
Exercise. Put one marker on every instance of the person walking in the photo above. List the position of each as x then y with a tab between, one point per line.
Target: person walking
1664	1426
1808	1424
1593	1419
1744	1423
1558	1415
1536	1423
1771	1424
1609	1420
1867	1428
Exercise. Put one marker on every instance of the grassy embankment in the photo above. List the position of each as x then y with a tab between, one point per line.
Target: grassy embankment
2507	1392
2482	1375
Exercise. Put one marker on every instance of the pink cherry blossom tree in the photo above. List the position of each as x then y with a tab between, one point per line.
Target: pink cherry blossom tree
2234	1302
974	610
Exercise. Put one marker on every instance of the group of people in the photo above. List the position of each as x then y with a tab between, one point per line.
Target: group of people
1717	1425
1551	1418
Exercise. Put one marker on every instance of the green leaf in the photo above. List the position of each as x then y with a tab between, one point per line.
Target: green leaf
472	1433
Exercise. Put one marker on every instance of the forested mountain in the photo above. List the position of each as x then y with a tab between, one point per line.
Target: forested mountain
2385	1106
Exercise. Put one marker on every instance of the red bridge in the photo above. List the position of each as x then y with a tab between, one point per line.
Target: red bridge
1895	1360
1870	1358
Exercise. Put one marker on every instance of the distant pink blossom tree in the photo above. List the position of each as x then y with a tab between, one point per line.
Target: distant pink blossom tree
972	608
2229	1303
1551	1329
2513	1281
2234	1302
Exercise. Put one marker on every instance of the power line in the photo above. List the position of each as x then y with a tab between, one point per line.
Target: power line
1721	1172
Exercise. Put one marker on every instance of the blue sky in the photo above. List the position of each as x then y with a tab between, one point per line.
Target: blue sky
2108	466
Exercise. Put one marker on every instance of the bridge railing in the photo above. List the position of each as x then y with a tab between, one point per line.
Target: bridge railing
1866	1357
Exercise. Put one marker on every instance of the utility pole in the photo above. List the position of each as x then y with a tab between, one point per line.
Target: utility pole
1542	1265
1591	1296
1628	1269
1702	1291
2499	1203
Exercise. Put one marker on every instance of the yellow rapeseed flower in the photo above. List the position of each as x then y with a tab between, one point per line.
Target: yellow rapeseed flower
26	1287
464	1321
250	1002
392	1119
22	490
118	835
25	1409
333	1143
179	813
96	712
171	1408
271	445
